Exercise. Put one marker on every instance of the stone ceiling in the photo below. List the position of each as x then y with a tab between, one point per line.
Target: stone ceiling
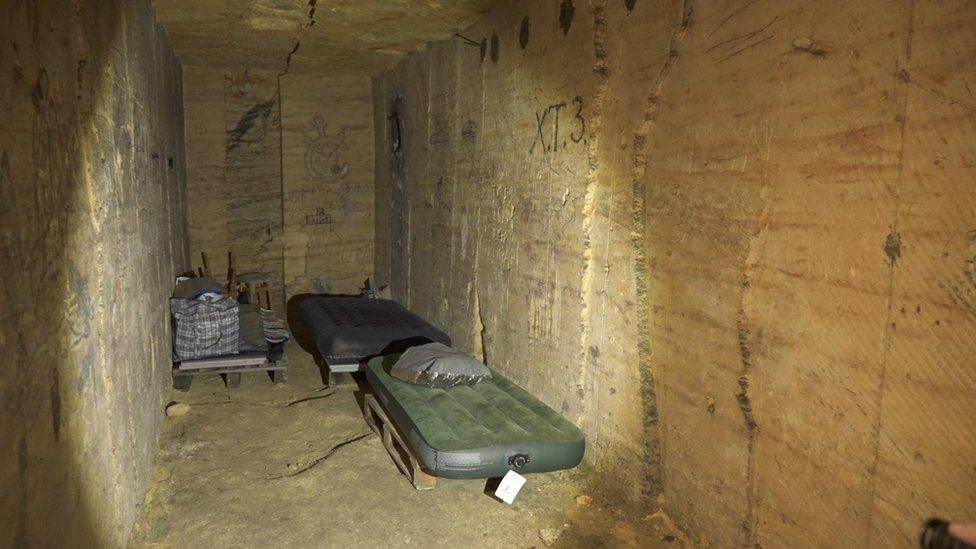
309	36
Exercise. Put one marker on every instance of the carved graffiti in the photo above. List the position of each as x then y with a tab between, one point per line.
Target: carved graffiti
238	84
318	218
579	134
470	130
79	306
441	128
326	156
252	126
547	133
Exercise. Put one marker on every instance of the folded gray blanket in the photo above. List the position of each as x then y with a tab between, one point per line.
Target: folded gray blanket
252	329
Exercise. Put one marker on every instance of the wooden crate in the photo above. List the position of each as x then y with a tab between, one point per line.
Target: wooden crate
404	457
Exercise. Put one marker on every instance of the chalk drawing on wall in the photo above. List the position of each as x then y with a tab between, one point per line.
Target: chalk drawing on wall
326	156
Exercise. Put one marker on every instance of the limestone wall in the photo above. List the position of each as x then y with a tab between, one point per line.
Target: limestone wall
233	144
280	173
327	179
732	240
92	232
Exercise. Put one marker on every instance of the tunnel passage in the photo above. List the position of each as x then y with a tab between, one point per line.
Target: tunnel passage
730	242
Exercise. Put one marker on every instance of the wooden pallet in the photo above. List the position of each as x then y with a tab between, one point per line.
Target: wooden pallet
404	457
182	379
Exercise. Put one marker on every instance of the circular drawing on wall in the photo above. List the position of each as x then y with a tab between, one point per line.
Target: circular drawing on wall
326	156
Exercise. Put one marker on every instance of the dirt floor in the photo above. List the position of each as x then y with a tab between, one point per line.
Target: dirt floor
296	465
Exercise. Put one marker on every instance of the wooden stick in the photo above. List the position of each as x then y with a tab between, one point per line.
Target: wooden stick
230	274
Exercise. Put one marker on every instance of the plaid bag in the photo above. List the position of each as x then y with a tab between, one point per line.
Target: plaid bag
205	328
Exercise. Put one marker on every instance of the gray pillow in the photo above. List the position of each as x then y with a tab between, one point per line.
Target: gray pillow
439	366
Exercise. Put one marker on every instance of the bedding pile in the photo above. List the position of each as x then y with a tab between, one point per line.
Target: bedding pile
275	329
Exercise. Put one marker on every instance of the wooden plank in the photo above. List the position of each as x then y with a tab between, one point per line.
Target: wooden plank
233	380
345	368
421	479
403	456
280	376
270	366
182	383
182	379
223	362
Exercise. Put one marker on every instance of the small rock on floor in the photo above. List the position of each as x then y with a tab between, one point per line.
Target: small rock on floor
550	536
177	409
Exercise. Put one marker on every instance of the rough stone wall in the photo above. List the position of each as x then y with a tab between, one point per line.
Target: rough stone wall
327	180
751	280
507	227
382	178
234	170
280	172
92	232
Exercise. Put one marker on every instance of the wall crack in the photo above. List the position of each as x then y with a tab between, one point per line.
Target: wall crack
654	447
893	249
745	337
309	23
601	69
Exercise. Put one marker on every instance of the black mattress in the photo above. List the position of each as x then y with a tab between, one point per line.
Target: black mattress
348	330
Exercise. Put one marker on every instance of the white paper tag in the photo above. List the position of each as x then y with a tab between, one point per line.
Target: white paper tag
509	487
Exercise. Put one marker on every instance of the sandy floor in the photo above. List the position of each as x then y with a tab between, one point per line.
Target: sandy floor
296	466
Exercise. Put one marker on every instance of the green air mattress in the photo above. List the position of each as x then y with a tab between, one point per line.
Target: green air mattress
478	431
